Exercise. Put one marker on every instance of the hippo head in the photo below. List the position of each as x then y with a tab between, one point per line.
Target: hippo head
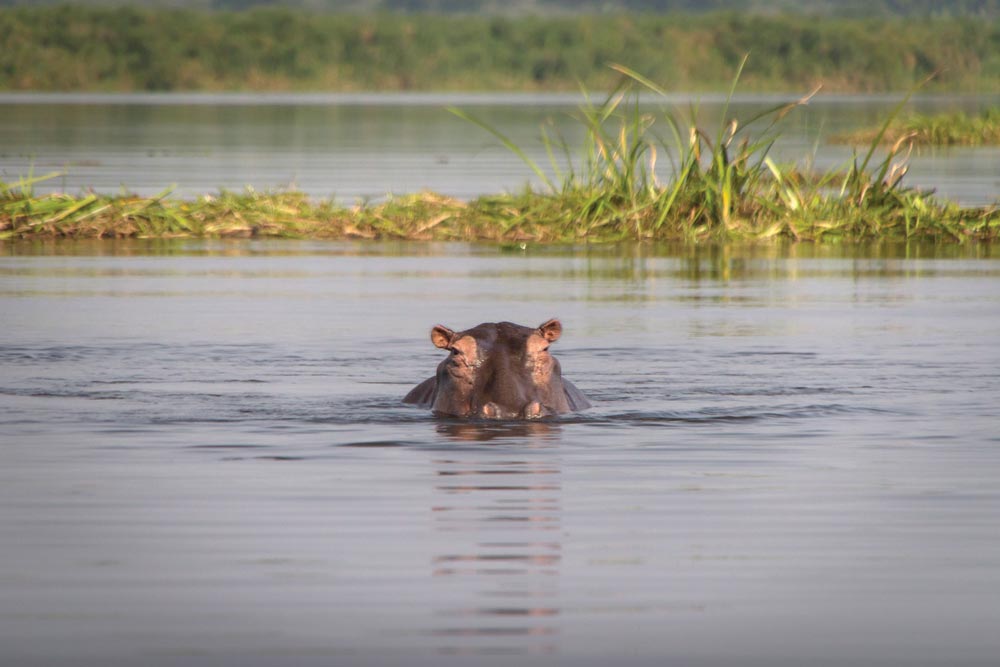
498	371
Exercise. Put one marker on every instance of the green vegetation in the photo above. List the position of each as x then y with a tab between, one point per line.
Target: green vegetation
724	187
127	48
947	129
862	8
825	7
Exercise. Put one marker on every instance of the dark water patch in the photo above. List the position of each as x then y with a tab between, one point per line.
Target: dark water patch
767	354
822	410
153	380
224	446
391	402
26	355
236	459
502	611
628	420
723	415
194	351
766	391
452	473
195	421
69	393
388	418
378	444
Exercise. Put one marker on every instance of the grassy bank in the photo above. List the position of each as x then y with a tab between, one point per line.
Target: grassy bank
724	186
130	49
947	129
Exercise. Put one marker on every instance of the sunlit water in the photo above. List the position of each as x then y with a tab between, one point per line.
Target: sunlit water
366	146
792	458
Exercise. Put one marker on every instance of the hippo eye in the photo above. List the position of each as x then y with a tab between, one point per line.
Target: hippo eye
454	350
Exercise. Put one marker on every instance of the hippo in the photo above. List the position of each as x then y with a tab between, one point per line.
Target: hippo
498	371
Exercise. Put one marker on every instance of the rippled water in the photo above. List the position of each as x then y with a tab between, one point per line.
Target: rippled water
792	458
369	145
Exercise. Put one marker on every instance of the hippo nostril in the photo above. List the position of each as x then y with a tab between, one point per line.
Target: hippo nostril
533	410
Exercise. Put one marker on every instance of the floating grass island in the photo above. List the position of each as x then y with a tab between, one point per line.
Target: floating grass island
947	129
724	186
783	205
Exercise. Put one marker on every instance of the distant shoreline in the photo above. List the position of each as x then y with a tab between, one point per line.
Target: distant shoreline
128	49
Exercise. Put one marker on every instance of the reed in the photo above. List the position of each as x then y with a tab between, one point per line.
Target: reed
723	186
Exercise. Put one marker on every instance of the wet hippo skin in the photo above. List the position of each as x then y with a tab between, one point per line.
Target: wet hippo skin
498	371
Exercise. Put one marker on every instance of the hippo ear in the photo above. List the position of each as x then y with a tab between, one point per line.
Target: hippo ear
551	330
441	336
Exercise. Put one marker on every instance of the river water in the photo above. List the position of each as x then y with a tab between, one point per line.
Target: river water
365	146
792	457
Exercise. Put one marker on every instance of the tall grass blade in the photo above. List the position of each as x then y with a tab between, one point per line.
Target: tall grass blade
635	76
729	97
506	141
893	114
25	185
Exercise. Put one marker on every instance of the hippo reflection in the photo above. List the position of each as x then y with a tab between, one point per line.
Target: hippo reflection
498	371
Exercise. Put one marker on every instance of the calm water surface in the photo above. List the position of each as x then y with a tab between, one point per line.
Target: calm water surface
792	458
365	146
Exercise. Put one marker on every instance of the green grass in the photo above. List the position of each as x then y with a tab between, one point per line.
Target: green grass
946	129
724	186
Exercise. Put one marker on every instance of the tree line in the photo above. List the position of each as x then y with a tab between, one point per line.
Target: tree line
856	8
275	48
